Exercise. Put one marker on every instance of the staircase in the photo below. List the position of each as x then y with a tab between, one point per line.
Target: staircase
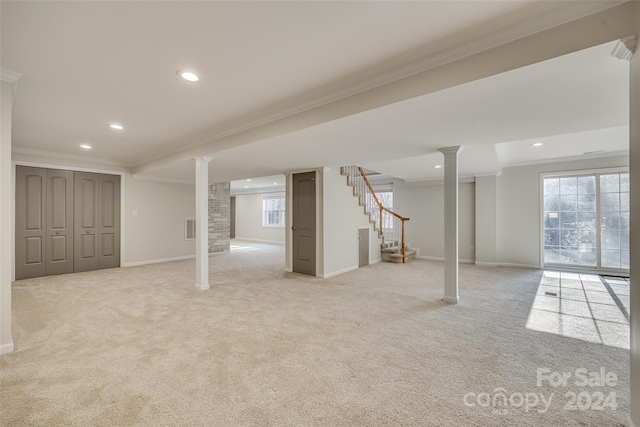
393	249
392	252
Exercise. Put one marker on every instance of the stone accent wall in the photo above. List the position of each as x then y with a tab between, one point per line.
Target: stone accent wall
219	217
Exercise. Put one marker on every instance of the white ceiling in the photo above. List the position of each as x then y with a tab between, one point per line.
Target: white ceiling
263	184
86	64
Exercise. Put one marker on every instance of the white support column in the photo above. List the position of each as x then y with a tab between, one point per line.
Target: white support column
450	224
6	213
202	223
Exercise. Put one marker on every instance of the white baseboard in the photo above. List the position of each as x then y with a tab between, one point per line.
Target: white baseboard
218	253
429	258
487	264
375	261
435	258
6	348
288	270
630	422
508	264
451	300
158	261
178	258
335	273
274	242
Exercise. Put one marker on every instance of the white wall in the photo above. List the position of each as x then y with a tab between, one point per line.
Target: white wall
486	218
424	205
519	207
343	217
6	227
157	232
634	123
249	219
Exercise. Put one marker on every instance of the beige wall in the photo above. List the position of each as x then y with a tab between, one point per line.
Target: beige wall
342	218
519	207
157	232
6	212
249	219
424	204
634	122
486	218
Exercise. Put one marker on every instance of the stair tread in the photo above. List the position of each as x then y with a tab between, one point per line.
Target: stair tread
406	253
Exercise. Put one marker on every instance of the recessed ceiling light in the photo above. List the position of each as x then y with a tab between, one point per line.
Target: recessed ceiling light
116	126
85	146
188	75
248	180
537	144
246	186
275	183
437	166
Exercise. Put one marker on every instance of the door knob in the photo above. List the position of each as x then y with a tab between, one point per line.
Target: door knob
87	231
57	232
293	227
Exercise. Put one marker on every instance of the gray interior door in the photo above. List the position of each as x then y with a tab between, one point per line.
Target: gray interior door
65	221
86	221
109	221
363	244
304	223
59	222
30	222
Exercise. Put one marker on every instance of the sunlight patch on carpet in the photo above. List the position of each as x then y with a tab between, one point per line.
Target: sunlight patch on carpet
581	306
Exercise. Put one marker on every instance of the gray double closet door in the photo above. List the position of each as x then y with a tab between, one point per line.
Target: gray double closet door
66	221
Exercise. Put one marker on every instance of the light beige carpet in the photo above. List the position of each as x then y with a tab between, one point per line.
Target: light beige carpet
141	346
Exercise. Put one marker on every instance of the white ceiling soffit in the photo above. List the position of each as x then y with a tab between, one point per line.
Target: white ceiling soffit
265	184
599	142
581	92
574	94
86	64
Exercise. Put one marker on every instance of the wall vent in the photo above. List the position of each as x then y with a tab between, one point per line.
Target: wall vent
189	229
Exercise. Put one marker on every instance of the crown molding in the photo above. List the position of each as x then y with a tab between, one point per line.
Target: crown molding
275	190
481	175
567	159
57	155
417	182
625	48
14	79
9	76
574	11
161	179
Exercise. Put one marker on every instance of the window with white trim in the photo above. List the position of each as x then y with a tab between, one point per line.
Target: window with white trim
586	220
273	211
386	198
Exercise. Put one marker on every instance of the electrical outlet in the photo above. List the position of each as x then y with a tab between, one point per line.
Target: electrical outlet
135	213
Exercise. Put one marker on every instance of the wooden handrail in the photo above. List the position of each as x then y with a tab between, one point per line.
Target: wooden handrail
383	208
375	197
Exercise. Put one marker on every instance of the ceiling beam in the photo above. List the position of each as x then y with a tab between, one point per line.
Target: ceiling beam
602	27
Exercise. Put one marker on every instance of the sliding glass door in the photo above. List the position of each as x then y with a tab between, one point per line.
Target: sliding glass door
586	220
614	220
